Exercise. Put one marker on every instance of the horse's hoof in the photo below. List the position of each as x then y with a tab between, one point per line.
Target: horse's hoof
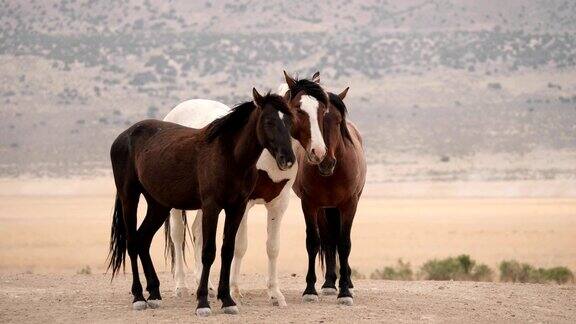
154	303
310	298
181	292
347	301
280	302
139	305
230	310
205	311
329	291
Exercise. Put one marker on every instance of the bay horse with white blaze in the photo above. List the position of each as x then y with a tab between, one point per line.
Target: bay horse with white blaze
213	169
308	102
329	194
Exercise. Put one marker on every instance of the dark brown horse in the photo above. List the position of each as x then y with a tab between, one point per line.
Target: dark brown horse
213	169
329	193
309	103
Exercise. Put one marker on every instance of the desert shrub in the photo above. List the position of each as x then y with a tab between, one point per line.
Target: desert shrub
152	111
482	272
560	275
514	271
85	270
401	271
494	86
461	267
355	274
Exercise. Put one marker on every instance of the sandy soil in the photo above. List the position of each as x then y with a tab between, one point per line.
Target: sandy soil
92	298
42	234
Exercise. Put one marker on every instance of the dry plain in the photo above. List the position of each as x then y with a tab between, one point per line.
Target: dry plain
50	229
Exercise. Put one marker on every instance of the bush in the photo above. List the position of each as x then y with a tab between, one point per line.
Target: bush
355	274
514	271
459	268
85	271
402	271
494	86
560	275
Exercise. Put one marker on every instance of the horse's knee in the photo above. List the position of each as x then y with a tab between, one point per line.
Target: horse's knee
273	248
208	256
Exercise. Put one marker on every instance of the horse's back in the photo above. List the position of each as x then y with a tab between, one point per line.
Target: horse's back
197	113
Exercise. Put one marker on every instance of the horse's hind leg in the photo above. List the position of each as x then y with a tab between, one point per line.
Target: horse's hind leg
129	209
240	248
155	217
312	245
347	212
177	234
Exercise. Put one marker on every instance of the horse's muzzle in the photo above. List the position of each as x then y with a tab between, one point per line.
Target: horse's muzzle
326	168
285	160
313	158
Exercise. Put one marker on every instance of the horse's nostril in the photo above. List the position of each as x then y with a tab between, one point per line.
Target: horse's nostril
313	152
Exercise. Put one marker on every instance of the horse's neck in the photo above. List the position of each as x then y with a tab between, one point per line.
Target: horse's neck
340	148
247	148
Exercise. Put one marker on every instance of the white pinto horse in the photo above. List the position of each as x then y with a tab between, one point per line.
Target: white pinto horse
197	113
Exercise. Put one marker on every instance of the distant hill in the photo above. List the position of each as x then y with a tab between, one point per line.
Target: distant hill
441	81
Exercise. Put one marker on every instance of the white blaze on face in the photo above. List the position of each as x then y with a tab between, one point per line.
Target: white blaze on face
310	105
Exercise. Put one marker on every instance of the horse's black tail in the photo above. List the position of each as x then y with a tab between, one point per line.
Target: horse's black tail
329	230
169	245
117	251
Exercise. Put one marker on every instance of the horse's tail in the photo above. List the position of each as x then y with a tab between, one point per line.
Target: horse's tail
169	245
329	230
118	242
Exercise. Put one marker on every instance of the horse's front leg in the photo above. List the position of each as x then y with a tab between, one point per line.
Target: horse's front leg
347	212
276	209
210	213
239	251
312	246
329	228
197	247
234	215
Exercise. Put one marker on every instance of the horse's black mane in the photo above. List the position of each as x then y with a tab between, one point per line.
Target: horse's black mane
311	88
233	120
341	107
238	116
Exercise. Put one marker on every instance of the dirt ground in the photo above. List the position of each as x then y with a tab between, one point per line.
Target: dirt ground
92	298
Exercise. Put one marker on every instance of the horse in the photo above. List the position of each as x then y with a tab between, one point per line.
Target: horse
329	194
309	102
212	168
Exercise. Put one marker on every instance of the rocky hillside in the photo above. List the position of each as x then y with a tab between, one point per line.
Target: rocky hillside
431	80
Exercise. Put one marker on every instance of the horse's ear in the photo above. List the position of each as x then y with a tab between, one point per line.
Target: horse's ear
257	98
342	94
316	77
288	96
289	81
